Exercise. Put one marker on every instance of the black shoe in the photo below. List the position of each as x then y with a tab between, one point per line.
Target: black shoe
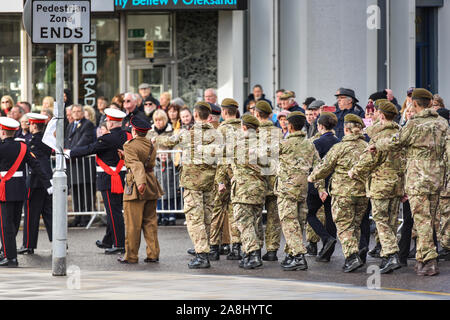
270	256
391	263
254	260
244	260
403	263
312	249
115	250
235	253
200	261
24	250
297	263
352	263
172	221
73	224
191	251
165	222
123	261
412	253
10	263
148	260
375	252
327	250
287	260
225	249
363	254
444	255
102	245
214	253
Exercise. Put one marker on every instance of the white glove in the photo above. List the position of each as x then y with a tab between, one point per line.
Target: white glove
67	153
50	190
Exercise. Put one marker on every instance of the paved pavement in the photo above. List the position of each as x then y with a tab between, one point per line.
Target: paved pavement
102	277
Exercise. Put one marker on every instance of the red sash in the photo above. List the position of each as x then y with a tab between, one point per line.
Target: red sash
129	136
12	171
116	181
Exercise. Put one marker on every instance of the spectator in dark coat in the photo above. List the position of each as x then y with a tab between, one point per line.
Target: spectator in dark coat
131	109
346	104
24	131
288	102
257	95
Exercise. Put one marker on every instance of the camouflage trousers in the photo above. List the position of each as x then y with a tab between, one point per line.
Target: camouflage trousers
289	212
424	208
222	221
347	215
444	208
273	226
385	214
198	211
311	236
249	221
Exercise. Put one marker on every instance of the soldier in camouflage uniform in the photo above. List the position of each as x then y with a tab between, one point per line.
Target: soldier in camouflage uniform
248	190
349	202
223	208
444	207
270	138
424	138
197	179
385	184
297	157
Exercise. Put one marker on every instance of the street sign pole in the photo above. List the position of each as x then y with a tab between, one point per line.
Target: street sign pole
59	246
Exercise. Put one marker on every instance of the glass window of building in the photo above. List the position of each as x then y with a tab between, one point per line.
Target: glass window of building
10	57
142	28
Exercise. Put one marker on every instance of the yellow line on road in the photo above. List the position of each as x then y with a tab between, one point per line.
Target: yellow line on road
419	291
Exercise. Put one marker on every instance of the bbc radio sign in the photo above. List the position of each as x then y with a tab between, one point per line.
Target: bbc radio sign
61	22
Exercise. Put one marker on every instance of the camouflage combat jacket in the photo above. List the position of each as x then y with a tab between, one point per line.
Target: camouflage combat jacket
228	130
445	193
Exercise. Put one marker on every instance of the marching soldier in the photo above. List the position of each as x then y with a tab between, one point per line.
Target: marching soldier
270	136
223	208
13	157
424	138
248	193
297	157
197	178
142	191
110	178
349	202
444	207
385	171
38	200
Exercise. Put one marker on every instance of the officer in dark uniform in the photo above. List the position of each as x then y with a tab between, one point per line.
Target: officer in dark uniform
38	200
13	157
110	178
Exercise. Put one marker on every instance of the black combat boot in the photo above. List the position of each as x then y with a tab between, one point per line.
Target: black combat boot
225	249
244	260
352	263
214	253
235	253
287	260
312	249
200	261
389	264
444	254
270	256
327	250
297	263
191	251
254	260
375	252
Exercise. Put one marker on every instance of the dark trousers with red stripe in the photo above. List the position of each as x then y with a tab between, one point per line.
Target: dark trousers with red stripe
10	215
39	202
115	226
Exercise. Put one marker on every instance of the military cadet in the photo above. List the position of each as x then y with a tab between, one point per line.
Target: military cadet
424	138
13	157
110	178
297	157
444	207
270	136
349	202
385	185
38	200
248	193
197	179
141	193
223	209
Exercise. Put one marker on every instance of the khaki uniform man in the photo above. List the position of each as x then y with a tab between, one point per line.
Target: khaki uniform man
269	138
444	207
349	202
248	190
385	187
197	179
141	193
424	138
223	209
297	157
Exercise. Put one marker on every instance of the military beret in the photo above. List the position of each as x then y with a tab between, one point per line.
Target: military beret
422	94
204	105
140	124
387	107
230	103
377	102
249	119
296	114
353	118
263	106
287	95
329	114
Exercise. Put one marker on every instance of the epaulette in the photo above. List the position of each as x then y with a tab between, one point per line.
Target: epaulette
20	140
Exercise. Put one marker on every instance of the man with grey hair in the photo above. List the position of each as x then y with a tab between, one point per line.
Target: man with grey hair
210	96
130	104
